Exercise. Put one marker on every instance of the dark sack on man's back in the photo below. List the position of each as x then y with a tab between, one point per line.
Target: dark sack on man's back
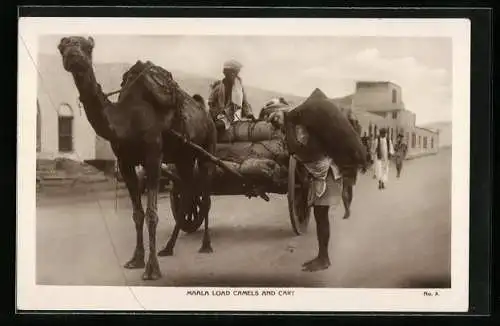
331	128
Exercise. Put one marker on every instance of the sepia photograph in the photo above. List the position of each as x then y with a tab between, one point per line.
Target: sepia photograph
243	164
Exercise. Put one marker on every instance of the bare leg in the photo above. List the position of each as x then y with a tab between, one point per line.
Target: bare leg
347	198
322	261
152	167
129	176
399	167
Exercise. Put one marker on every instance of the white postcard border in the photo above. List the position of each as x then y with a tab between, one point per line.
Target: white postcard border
36	297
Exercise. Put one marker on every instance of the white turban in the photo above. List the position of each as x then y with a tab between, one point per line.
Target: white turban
233	65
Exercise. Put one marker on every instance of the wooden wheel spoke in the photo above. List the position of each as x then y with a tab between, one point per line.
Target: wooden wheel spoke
191	217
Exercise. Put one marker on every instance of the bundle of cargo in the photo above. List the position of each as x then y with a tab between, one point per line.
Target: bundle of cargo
330	130
274	149
258	170
249	131
266	173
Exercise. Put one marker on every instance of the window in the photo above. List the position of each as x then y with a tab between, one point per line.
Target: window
394	96
375	130
432	142
425	142
38	128
413	139
394	114
419	141
65	128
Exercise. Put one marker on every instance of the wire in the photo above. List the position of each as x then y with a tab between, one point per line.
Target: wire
115	252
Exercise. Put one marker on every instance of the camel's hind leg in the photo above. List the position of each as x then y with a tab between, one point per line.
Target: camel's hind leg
206	174
185	169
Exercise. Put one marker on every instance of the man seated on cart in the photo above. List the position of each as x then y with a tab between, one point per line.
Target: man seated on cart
227	101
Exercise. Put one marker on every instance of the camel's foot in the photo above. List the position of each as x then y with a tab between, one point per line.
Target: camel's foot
317	264
152	271
167	251
206	247
136	262
347	214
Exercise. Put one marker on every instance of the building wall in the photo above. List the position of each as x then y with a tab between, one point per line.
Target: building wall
55	90
406	118
378	96
422	141
374	107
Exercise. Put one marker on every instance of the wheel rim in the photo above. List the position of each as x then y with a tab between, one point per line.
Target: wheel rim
191	220
297	198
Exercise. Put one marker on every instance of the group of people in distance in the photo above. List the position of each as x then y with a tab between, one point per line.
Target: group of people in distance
381	151
228	103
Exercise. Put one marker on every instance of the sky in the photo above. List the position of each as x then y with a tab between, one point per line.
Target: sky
422	66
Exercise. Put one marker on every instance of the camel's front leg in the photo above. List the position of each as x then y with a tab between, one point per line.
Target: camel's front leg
129	176
152	167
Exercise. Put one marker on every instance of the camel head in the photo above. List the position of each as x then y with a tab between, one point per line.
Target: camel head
76	52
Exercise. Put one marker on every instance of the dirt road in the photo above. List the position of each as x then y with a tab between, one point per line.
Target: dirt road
399	237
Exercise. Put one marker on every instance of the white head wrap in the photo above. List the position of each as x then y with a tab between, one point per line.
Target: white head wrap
233	65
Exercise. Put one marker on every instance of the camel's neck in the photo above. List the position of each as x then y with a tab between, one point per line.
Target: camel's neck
94	102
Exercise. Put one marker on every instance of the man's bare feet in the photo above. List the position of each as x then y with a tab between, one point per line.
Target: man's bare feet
317	264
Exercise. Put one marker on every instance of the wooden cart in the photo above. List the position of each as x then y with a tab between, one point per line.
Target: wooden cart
295	186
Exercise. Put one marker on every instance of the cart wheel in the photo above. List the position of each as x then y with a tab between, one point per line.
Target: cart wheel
297	198
191	220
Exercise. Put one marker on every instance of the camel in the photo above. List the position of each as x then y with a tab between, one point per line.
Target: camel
187	116
137	128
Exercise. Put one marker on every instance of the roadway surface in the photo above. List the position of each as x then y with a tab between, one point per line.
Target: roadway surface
398	237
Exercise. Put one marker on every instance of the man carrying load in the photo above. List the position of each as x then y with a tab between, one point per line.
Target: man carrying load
228	99
321	138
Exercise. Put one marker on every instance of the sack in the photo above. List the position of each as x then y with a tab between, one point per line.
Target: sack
331	132
274	149
249	131
263	170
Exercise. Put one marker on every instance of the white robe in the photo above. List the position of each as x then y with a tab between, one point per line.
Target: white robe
382	164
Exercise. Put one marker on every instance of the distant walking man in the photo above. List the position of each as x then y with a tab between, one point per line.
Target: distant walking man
383	152
401	149
227	98
373	156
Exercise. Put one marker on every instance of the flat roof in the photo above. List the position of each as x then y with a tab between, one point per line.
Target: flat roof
376	82
427	129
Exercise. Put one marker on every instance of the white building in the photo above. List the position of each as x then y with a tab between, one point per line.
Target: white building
62	126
